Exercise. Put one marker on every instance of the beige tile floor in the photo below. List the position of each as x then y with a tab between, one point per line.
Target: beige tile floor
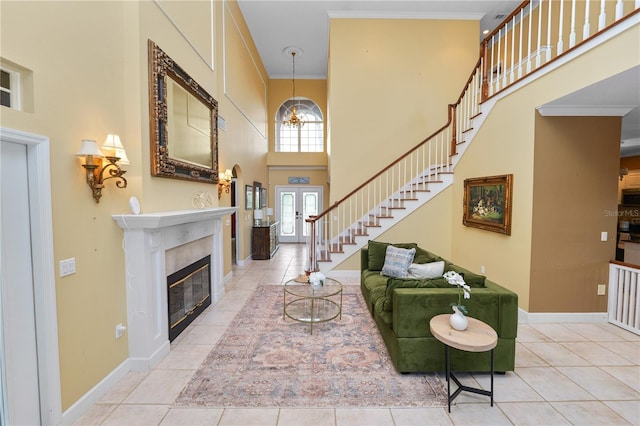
580	374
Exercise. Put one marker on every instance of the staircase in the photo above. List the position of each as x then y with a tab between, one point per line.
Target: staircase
508	58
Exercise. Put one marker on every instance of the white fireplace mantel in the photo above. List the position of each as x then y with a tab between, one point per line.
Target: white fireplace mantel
146	239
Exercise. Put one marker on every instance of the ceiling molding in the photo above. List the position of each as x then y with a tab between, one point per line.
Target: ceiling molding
584	110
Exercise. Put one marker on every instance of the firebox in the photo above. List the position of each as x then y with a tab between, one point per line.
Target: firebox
189	293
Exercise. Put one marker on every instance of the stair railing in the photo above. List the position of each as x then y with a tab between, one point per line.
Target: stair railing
521	45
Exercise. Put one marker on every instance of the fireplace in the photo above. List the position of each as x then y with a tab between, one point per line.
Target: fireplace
188	293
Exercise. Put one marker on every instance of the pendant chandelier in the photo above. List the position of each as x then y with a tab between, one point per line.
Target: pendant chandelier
293	120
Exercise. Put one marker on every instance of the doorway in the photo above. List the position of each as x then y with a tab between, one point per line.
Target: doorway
293	205
29	360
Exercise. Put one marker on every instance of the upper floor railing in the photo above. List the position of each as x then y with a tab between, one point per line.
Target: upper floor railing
535	34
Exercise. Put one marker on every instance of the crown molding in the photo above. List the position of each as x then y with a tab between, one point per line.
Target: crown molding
584	110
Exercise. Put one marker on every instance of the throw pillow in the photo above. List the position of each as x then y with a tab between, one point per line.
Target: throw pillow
377	251
426	270
397	261
423	256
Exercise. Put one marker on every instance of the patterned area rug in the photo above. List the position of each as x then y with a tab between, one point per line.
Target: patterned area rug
265	361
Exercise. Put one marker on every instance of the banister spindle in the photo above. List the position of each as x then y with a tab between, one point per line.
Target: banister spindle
602	18
548	46
620	8
520	43
586	28
504	60
512	75
560	47
529	38
539	33
572	35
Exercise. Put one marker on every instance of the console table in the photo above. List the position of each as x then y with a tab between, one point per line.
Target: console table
264	240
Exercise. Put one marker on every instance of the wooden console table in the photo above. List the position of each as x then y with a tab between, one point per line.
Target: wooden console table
264	240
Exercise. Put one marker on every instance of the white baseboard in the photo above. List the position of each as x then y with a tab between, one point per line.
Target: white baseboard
84	404
569	317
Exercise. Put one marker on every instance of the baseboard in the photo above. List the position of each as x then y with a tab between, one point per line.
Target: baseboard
84	404
525	317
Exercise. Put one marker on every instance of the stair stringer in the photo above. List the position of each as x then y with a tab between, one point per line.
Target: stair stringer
445	180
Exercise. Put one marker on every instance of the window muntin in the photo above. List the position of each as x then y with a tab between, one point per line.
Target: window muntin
307	138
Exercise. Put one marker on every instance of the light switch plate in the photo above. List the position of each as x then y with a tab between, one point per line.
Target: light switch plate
601	289
604	236
67	267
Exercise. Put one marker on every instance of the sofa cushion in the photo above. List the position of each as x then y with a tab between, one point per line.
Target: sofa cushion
426	270
397	261
471	279
378	250
423	256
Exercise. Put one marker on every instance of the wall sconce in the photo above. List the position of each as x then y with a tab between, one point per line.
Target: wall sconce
224	182
93	163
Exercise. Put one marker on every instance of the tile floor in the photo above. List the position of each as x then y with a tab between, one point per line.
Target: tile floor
579	374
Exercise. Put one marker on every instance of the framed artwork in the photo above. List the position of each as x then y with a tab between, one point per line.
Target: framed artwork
487	203
263	197
248	197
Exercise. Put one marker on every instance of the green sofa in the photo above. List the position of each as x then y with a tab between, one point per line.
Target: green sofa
403	307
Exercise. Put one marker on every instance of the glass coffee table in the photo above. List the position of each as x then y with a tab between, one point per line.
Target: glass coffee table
312	304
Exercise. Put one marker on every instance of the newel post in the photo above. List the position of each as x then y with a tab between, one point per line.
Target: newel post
313	261
484	54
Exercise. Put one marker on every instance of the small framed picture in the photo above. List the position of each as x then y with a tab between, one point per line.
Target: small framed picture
263	197
487	203
248	196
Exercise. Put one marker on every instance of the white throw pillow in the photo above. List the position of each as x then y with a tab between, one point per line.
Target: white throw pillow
426	270
397	261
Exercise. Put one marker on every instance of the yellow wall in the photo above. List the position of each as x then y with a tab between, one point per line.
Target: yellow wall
388	88
89	64
576	176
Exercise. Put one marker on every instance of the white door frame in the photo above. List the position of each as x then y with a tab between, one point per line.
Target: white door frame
40	215
320	190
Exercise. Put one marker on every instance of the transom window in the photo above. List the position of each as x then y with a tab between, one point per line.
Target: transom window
306	138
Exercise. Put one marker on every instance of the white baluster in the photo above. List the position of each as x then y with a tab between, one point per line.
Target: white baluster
602	18
504	60
586	28
520	43
512	75
499	66
560	27
548	47
529	38
620	8
572	35
539	33
493	48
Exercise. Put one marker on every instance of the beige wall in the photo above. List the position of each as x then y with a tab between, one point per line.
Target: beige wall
388	88
576	176
89	64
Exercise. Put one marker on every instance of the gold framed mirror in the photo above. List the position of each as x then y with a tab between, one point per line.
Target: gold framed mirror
183	122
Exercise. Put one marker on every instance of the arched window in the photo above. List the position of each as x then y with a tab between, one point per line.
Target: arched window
306	138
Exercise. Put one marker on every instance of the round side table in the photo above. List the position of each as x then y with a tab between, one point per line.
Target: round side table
478	337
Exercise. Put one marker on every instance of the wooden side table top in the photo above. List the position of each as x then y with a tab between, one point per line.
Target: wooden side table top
478	337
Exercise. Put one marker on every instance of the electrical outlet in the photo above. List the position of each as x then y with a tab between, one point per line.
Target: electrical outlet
67	267
119	330
602	289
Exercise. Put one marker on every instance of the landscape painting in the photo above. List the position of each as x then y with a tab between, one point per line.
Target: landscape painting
487	203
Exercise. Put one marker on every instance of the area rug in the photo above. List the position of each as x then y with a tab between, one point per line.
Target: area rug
263	360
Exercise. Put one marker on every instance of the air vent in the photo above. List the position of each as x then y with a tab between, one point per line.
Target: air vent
500	15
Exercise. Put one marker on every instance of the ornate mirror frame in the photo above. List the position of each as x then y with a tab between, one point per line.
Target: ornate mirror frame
162	70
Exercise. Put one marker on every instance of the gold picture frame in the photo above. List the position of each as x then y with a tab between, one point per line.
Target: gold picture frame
183	122
487	203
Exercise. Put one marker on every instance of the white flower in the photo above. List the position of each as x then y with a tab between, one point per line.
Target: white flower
316	278
456	279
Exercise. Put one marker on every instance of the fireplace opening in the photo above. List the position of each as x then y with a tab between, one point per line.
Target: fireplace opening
189	291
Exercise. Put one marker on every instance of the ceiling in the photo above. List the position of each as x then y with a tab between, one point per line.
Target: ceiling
276	25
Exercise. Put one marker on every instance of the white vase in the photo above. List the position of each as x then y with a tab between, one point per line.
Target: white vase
458	321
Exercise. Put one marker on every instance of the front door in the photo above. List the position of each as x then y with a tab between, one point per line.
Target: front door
293	205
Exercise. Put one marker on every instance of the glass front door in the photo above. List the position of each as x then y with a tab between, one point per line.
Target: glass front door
293	205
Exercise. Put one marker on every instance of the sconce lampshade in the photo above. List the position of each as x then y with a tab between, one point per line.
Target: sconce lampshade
269	211
257	215
114	148
89	147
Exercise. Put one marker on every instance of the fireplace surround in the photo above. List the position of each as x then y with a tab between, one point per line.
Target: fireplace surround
157	245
